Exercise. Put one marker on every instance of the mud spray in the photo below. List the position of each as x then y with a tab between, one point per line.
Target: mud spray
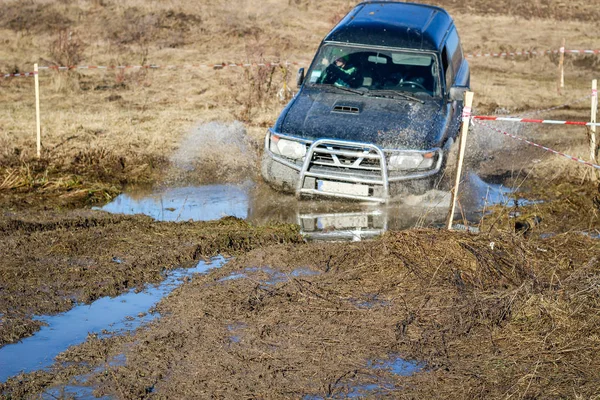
213	152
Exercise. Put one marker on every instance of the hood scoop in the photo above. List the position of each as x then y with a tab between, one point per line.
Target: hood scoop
346	109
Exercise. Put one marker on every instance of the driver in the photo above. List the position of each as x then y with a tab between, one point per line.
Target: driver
340	73
407	77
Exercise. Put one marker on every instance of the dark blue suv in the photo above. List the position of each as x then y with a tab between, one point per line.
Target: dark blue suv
378	110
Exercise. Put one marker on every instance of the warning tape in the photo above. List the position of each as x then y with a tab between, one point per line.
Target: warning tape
583	51
535	121
579	160
530	53
466	114
275	64
22	74
510	54
287	63
152	66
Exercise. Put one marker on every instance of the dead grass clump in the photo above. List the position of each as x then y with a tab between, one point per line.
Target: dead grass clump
72	190
104	165
259	88
134	30
138	30
132	78
67	49
588	62
32	17
261	93
91	176
236	25
30	174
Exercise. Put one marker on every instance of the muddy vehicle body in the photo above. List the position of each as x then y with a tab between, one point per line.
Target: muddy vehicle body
379	109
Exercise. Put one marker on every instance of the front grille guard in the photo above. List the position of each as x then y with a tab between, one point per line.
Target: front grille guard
374	152
358	151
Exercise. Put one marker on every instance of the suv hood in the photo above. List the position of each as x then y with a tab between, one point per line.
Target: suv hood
389	123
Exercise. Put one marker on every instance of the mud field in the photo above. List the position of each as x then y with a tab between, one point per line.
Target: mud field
143	257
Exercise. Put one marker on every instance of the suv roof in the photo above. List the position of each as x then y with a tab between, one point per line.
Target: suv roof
393	24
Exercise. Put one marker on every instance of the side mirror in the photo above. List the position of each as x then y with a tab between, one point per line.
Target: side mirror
300	77
457	93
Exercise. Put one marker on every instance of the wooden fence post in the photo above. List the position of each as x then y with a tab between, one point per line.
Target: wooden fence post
462	144
592	129
561	67
37	110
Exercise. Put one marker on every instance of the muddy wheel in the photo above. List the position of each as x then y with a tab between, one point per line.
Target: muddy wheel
445	180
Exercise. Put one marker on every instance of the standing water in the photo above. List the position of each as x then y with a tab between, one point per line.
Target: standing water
197	203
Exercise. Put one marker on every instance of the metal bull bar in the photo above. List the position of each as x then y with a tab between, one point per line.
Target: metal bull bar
354	156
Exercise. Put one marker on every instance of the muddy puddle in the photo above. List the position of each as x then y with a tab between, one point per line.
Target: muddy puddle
272	275
106	316
378	386
196	203
318	219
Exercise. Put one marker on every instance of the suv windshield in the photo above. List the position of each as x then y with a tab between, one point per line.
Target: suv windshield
375	69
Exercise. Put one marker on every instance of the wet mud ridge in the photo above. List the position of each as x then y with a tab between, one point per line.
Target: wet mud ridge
415	314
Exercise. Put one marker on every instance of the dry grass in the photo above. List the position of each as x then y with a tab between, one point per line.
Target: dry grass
147	113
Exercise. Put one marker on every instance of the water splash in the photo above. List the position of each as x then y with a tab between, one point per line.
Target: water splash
217	146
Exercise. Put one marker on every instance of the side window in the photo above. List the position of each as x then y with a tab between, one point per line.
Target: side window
447	66
454	50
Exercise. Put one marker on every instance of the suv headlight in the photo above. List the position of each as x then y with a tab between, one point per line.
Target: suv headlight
287	148
408	161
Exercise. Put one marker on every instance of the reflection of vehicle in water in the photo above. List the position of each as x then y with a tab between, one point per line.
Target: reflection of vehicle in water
318	220
340	220
379	109
343	226
335	220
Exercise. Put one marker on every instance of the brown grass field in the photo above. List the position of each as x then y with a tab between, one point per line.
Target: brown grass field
494	315
128	122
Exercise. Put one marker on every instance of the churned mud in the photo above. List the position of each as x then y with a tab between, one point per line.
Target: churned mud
54	260
119	314
489	316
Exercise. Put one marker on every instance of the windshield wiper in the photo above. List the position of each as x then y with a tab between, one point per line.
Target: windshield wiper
392	93
346	89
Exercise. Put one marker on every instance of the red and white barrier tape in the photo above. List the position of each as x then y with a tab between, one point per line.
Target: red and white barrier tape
22	74
530	53
189	66
153	66
583	51
466	114
579	160
534	121
511	53
274	64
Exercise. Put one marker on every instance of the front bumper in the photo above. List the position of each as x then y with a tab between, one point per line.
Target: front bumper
341	169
